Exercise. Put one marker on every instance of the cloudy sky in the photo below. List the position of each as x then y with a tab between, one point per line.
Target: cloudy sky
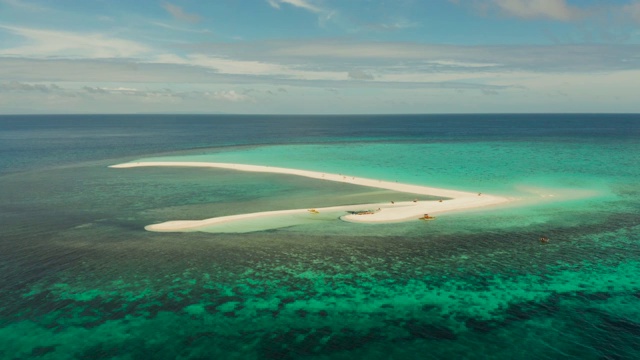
319	56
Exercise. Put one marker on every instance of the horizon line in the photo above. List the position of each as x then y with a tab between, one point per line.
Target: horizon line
316	114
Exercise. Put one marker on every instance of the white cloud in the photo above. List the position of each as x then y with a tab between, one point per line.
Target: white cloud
119	91
325	15
303	4
550	9
585	92
179	14
359	75
45	43
462	64
398	24
178	28
200	77
559	10
274	3
230	95
347	50
288	62
429	58
250	67
16	86
95	90
231	66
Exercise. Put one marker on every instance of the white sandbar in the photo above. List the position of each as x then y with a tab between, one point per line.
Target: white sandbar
387	212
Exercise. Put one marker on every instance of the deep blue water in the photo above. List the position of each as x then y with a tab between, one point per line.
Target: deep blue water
80	278
28	142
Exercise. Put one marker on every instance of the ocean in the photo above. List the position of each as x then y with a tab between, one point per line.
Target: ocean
81	278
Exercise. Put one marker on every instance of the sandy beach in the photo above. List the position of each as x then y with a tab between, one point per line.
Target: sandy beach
383	212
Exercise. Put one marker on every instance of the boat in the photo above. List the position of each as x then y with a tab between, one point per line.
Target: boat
364	212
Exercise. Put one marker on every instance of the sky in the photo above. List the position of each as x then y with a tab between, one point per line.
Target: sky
319	56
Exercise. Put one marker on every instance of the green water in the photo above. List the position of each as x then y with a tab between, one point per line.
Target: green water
484	166
300	296
80	277
524	170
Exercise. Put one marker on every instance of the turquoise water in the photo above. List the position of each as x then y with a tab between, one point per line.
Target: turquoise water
585	177
82	279
486	166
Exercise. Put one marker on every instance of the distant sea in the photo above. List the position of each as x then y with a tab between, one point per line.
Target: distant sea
80	278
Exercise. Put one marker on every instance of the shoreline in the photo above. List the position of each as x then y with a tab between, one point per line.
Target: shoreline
385	212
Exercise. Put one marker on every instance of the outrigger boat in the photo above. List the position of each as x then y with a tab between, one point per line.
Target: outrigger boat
427	217
314	211
363	212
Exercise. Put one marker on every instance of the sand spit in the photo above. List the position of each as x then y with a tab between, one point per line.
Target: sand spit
387	212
